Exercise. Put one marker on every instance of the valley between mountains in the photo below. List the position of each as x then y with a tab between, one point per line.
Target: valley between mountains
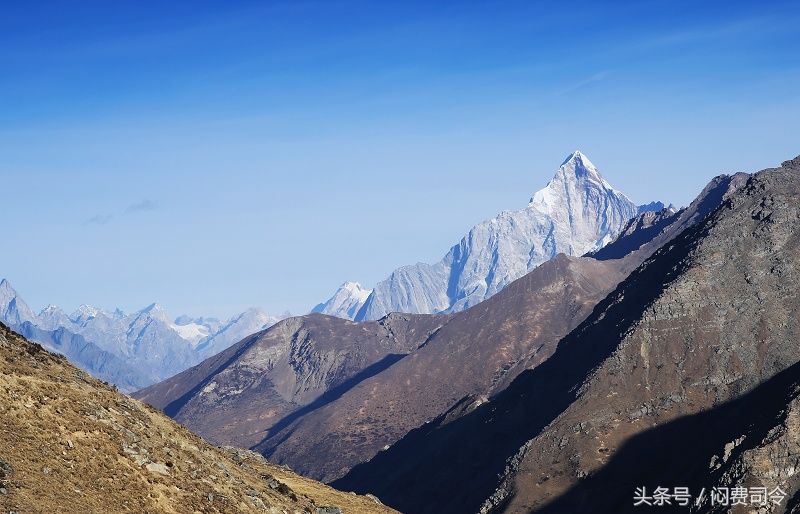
555	360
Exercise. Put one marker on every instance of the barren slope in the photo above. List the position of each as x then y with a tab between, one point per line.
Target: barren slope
477	351
69	443
233	397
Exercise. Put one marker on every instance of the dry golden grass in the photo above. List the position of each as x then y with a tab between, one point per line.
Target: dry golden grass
76	445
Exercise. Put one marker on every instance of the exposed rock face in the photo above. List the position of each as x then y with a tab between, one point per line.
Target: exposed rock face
235	396
650	230
475	354
752	441
708	323
577	212
69	443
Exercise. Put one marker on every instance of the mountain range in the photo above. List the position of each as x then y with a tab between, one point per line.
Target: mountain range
129	350
668	356
248	396
664	354
578	211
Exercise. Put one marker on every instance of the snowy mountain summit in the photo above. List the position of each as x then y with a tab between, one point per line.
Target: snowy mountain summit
130	350
583	206
578	211
345	302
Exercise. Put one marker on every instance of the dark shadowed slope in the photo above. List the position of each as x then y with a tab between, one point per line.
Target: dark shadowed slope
738	443
708	317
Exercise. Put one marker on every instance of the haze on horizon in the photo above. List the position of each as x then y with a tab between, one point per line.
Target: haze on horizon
212	157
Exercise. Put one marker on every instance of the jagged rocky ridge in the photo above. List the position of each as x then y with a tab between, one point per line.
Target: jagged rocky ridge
577	212
69	443
686	374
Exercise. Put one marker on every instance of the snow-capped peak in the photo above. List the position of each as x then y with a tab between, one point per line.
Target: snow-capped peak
346	301
191	332
6	290
576	175
156	311
84	313
50	309
580	158
356	290
13	309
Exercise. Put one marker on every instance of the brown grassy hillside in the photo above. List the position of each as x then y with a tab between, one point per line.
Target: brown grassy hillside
70	443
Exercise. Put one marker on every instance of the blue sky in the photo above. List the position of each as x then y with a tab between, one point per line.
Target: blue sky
217	155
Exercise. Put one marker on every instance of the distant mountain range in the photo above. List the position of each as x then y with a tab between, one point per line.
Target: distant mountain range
129	350
577	212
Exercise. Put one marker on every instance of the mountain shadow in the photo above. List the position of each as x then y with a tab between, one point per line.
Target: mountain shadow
681	453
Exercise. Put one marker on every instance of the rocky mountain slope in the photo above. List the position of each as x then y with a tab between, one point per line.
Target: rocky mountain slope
577	212
129	350
69	443
235	396
473	355
685	375
478	352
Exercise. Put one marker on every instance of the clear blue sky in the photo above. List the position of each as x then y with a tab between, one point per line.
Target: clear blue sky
217	155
